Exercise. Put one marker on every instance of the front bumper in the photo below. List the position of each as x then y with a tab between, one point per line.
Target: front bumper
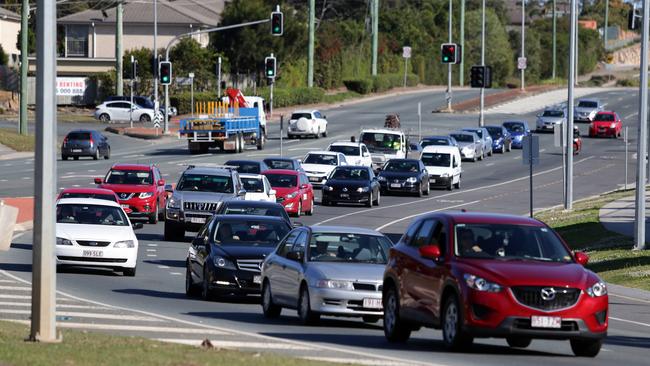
602	132
399	187
342	302
190	220
582	118
235	281
467	154
110	257
517	144
545	126
438	181
290	205
140	207
317	179
346	197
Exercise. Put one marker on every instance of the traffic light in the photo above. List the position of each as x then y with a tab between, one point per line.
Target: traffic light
450	53
633	19
277	23
270	67
481	77
165	72
134	69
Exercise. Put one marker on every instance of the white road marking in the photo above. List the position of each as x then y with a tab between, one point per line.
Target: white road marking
254	155
542	150
25	178
76	185
300	148
152	245
164	267
489	164
151	255
629	321
627	106
134	156
629	298
422	213
58	306
3	180
631	115
7	281
175	273
128	328
289	141
358	361
16	236
517	157
15	288
236	345
69	176
91	170
75	314
151	250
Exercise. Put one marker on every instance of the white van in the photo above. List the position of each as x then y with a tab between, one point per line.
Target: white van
443	164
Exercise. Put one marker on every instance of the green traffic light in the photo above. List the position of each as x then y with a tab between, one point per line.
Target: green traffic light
446	58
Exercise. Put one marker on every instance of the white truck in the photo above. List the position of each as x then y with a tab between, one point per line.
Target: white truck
384	144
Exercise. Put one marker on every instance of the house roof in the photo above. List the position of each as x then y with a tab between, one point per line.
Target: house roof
8	14
195	12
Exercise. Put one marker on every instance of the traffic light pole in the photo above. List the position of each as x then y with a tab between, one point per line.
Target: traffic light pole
481	120
554	39
523	40
310	50
24	66
568	199
374	11
461	70
451	15
119	84
639	216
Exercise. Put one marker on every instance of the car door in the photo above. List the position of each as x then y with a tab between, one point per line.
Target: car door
275	266
120	111
199	251
455	166
294	271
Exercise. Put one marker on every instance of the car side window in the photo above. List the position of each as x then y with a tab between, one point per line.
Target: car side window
317	114
285	247
410	233
440	237
424	233
300	243
364	150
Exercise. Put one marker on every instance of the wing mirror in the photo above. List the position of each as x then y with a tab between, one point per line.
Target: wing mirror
241	192
430	252
98	180
304	186
169	188
136	225
582	258
161	182
295	256
272	192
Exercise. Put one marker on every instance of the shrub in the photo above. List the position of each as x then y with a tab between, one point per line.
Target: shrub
182	101
361	86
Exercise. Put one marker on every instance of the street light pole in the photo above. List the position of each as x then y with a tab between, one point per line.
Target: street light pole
24	66
481	118
461	70
606	22
310	50
119	12
155	57
568	199
554	38
450	15
642	148
375	36
219	77
523	40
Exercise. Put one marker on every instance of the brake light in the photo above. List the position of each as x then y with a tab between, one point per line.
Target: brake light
65	141
91	141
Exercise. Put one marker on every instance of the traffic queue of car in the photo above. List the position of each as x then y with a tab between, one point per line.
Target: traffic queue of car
472	275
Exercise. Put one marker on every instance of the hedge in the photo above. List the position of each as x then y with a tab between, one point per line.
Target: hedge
380	83
361	86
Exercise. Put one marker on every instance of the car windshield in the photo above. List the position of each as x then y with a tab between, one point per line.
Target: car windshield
503	241
549	113
477	132
587	104
257	211
205	183
345	150
381	142
253	185
495	131
282	180
350	174
401	166
79	136
245	167
76	213
435	142
99	196
605	117
140	177
436	159
253	233
322	159
514	126
279	164
463	137
301	115
344	247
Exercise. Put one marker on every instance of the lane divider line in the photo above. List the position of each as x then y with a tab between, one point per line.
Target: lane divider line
379	228
629	321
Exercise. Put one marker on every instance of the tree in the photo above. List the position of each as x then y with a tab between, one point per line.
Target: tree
188	56
4	58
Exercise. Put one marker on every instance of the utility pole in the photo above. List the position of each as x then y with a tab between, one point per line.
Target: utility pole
43	326
219	77
605	27
461	70
523	40
554	38
310	51
119	12
24	66
155	56
642	148
450	15
374	11
481	119
568	199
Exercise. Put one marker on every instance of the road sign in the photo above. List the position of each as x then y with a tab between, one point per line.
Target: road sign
157	119
191	75
406	52
530	151
521	63
183	81
559	135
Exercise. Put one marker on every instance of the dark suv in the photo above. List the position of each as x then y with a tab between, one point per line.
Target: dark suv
490	275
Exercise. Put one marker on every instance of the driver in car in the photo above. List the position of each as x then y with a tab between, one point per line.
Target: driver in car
467	243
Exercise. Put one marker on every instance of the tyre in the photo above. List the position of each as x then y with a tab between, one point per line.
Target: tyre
518	342
96	154
64	157
371	318
75	158
474	158
191	289
503	149
453	336
173	232
420	191
261	141
299	211
145	118
325	203
450	186
457	185
269	309
377	198
305	314
128	272
395	329
311	209
428	189
325	132
242	143
153	217
108	154
206	293
586	348
491	152
370	199
510	147
104	117
317	134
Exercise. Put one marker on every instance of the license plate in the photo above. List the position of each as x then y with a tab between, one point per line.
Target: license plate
395	185
345	195
545	321
314	179
432	180
257	279
197	220
92	253
76	150
125	206
372	303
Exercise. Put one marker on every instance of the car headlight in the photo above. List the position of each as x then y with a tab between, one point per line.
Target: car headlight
466	148
328	188
63	241
411	180
481	284
174	202
221	262
598	289
613	125
124	244
335	284
291	195
146	194
380	178
363	189
445	175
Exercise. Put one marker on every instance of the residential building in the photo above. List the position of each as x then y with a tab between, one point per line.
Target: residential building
9	28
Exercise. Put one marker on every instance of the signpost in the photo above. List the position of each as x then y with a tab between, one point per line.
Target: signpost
530	157
521	63
406	53
192	92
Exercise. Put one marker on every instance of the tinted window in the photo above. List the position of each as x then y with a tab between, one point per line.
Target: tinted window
279	164
79	136
514	126
318	115
108	197
350	174
435	142
205	183
605	117
462	137
245	166
141	177
301	115
401	166
587	104
423	235
344	247
381	142
495	131
549	113
258	211
479	132
287	244
436	159
90	215
320	159
345	150
282	180
249	233
253	185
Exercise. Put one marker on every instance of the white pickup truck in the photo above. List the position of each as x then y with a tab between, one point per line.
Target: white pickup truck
384	144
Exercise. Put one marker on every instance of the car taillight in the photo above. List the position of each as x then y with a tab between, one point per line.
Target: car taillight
65	141
91	141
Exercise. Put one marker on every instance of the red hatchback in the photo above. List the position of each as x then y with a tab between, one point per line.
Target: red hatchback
140	188
491	275
606	124
293	190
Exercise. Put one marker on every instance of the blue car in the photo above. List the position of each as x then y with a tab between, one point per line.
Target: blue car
501	138
517	129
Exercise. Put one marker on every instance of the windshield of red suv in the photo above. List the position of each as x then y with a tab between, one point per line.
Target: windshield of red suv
503	241
140	177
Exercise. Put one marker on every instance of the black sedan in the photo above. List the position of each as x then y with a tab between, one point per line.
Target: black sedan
284	164
227	254
85	143
351	184
248	166
404	175
259	208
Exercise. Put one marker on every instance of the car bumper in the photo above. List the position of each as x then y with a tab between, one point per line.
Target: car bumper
343	302
353	197
439	181
582	118
139	207
602	132
517	144
317	179
290	205
297	132
109	257
467	154
191	221
235	281
403	187
84	151
545	126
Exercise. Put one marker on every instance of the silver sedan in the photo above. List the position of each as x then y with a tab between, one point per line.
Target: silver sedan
326	270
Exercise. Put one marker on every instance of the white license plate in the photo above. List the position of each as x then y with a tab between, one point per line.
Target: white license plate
197	220
345	195
92	253
76	150
395	185
257	279
372	303
314	179
545	321
125	206
432	180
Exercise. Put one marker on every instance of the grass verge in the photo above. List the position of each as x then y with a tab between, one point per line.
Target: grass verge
83	348
610	253
16	141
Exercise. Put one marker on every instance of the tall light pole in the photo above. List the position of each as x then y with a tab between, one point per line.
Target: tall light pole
461	71
568	199
523	40
481	118
310	50
119	12
642	148
450	15
155	57
606	21
554	38
43	326
24	66
219	77
375	34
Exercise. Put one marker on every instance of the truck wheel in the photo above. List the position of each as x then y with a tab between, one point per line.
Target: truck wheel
261	141
242	142
194	147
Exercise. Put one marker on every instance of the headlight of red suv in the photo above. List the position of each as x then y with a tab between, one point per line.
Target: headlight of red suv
144	195
598	289
481	284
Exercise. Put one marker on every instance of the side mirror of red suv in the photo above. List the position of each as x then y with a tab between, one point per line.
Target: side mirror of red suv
582	258
430	252
98	180
161	182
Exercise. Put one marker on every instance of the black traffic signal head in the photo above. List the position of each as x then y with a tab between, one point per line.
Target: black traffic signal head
165	72
277	23
270	67
449	53
481	77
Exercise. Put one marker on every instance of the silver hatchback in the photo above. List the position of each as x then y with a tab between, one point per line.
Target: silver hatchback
326	270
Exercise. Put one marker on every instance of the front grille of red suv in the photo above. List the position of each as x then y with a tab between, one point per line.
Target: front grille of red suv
532	297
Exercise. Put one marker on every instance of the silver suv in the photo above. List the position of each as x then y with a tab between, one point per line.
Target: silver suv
197	196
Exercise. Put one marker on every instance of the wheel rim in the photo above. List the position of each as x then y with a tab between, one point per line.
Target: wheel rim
451	321
390	315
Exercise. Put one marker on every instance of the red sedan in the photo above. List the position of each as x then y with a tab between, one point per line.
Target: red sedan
606	124
293	190
491	275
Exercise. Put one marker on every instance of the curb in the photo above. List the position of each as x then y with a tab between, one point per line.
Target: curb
143	136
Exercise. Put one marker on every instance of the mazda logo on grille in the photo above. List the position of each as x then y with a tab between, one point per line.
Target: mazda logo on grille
548	293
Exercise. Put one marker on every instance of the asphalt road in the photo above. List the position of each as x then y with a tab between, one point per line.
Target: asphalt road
498	184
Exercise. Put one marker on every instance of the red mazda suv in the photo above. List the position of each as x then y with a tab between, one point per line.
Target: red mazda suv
492	275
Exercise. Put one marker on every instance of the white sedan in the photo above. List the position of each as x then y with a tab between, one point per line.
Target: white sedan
93	232
319	164
257	188
307	123
122	111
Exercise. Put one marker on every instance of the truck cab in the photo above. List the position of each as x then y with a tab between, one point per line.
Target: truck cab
254	102
384	144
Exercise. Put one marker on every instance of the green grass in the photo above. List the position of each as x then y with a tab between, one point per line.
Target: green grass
83	348
340	97
14	140
610	253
